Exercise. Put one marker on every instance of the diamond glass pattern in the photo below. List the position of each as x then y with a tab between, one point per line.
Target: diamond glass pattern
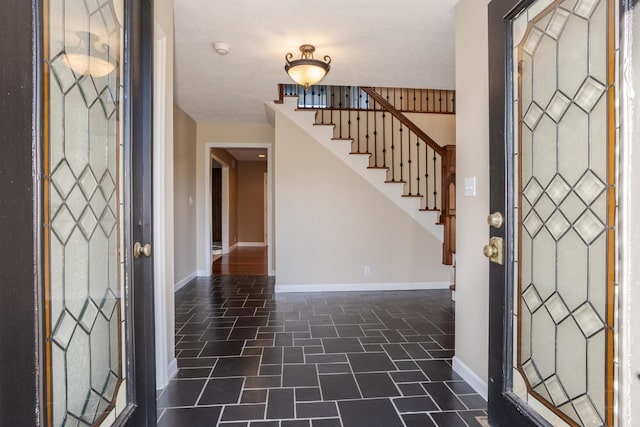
562	253
81	174
587	412
557	308
589	94
588	320
532	223
585	7
556	24
588	226
557	106
533	115
555	390
558	189
532	298
557	225
589	187
532	41
532	191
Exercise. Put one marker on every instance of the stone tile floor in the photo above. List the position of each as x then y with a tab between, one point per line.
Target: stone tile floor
248	357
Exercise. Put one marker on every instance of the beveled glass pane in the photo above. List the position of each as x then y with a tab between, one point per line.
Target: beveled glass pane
560	114
571	358
543	263
572	55
573	144
598	42
595	360
86	274
572	277
544	151
544	70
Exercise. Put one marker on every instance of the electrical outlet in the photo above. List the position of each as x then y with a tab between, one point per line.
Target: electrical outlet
367	270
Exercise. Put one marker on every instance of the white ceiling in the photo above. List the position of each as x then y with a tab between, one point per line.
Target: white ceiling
392	43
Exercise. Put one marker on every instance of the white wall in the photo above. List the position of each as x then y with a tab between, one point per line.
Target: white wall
331	223
629	230
472	134
184	178
165	330
239	134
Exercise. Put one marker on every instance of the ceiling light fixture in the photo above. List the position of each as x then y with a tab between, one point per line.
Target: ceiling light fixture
307	71
262	156
88	57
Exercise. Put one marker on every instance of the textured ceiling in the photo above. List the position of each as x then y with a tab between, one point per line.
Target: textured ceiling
393	43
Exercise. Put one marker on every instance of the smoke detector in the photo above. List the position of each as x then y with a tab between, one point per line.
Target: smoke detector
221	48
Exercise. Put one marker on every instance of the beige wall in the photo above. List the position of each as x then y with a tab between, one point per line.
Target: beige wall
208	133
251	210
331	223
184	187
440	127
166	361
472	134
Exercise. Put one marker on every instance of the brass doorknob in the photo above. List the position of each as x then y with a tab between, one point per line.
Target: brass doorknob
490	250
495	220
139	250
493	250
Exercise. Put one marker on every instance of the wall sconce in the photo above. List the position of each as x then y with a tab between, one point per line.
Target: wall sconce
84	59
307	71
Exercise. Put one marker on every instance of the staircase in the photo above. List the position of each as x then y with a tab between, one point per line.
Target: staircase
385	147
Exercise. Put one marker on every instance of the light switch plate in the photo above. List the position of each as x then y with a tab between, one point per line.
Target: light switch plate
470	186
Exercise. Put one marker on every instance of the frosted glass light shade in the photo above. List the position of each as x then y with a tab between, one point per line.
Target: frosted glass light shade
307	71
89	65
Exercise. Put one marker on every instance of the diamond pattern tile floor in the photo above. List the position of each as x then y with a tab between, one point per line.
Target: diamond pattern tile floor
248	357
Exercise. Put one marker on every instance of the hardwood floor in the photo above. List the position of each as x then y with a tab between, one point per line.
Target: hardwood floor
245	261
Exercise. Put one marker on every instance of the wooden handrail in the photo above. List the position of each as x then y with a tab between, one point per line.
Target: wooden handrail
405	121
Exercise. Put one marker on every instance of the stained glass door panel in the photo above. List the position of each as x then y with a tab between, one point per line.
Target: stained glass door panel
85	352
564	173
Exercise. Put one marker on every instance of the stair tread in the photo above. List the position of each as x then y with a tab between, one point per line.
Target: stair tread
324	124
428	210
342	139
378	167
412	195
395	182
356	152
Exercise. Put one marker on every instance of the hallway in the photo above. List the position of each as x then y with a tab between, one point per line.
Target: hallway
248	357
243	260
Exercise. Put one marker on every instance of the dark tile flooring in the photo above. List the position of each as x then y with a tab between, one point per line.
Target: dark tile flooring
248	357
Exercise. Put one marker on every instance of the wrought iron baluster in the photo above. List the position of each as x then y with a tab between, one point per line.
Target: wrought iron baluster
348	106
401	150
384	140
426	176
409	162
435	183
418	165
393	154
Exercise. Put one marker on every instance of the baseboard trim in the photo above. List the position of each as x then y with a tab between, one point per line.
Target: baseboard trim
172	369
252	244
470	377
350	287
180	284
171	372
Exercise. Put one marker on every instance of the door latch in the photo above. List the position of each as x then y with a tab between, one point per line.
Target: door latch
493	250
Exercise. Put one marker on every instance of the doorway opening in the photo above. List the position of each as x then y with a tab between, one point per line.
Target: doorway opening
239	203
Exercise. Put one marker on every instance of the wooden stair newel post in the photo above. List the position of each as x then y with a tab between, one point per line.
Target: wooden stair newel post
448	213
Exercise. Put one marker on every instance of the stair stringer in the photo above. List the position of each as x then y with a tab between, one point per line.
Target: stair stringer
323	134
